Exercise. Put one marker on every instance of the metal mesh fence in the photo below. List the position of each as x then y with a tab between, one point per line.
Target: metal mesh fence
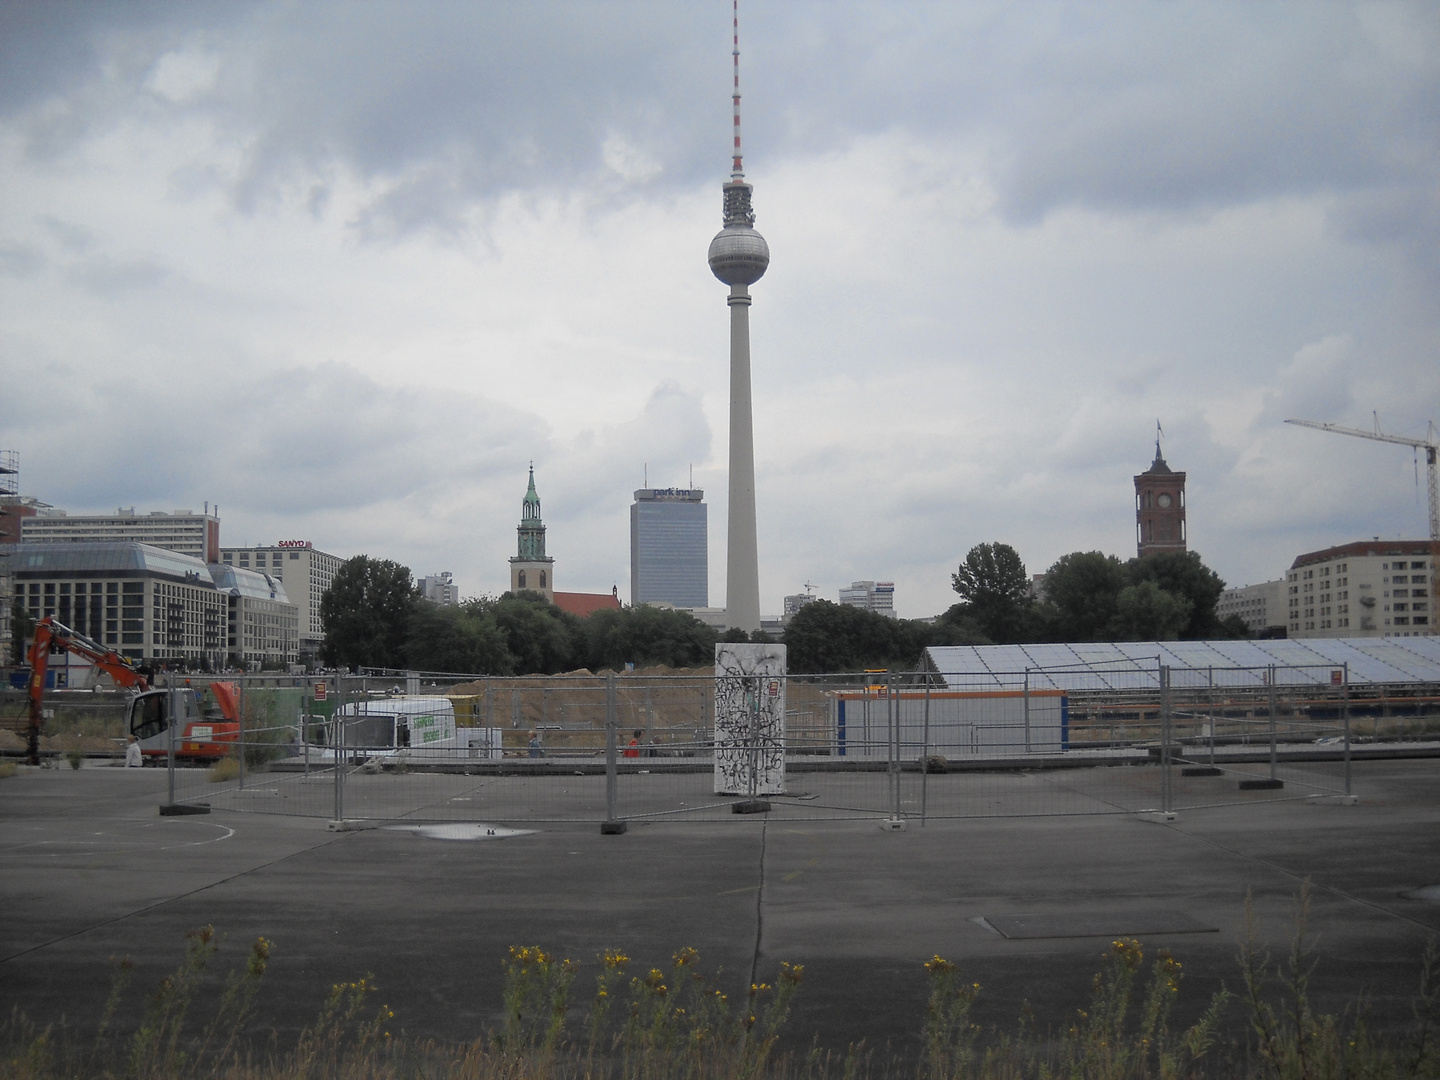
642	746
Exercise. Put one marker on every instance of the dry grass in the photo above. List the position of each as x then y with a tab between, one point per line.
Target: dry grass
227	768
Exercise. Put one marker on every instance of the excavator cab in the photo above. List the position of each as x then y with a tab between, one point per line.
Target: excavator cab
149	717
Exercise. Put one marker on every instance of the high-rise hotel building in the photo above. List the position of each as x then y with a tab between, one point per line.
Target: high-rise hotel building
669	548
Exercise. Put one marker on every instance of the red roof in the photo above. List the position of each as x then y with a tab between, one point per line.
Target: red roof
586	603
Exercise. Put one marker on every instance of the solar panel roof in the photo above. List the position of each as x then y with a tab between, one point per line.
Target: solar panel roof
1134	664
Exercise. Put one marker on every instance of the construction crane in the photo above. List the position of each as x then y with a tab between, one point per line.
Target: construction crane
1430	443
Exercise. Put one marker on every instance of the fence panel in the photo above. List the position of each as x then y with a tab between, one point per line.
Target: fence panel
1092	739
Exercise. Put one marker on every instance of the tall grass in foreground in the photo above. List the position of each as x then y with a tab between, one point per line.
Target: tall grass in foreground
679	1024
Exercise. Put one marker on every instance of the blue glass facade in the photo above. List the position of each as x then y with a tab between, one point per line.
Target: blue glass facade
669	547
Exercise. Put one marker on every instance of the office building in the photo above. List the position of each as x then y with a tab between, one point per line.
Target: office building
306	573
1261	607
876	596
1374	588
145	602
262	627
440	589
794	602
669	548
184	531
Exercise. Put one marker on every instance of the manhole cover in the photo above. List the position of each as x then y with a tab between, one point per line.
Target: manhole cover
461	830
1428	893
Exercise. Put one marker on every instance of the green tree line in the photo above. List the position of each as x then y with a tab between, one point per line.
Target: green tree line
375	616
1091	596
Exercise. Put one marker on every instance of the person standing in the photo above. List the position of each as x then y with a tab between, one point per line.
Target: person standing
134	759
632	748
536	750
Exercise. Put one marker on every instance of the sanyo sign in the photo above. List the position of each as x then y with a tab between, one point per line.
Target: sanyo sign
294	544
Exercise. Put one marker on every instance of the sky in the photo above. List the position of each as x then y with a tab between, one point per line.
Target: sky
344	270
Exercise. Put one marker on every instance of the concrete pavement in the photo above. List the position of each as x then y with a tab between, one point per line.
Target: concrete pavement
88	870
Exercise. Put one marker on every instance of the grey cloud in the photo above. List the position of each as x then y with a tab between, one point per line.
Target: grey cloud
112	277
1117	107
284	442
73	237
669	435
20	260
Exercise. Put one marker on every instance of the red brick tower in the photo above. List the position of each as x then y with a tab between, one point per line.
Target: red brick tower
1159	508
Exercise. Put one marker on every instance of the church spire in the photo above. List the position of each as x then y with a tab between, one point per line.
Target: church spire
530	508
532	529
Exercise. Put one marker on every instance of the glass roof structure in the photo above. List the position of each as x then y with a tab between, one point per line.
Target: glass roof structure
1136	665
120	559
239	581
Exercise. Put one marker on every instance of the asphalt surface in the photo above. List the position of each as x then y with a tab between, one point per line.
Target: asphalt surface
89	871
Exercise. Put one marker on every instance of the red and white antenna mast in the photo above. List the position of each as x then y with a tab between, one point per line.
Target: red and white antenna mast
737	173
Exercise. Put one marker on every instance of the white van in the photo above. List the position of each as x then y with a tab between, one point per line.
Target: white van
418	728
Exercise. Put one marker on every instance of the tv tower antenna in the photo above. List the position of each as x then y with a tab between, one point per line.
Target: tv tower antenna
737	171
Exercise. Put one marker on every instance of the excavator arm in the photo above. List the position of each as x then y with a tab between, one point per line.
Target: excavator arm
49	635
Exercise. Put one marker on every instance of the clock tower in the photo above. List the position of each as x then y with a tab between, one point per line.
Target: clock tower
1159	508
531	569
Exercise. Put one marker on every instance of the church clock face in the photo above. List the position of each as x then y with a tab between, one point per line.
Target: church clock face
1163	501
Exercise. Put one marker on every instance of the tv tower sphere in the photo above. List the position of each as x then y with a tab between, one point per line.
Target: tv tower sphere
739	255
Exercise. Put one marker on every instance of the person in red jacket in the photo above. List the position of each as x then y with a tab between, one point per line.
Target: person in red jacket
632	748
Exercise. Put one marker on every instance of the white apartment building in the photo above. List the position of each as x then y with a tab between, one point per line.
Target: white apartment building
440	589
189	533
1375	588
305	572
877	596
1260	606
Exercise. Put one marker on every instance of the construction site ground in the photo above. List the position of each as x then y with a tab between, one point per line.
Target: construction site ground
93	872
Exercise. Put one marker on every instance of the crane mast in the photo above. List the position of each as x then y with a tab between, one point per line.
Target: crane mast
1429	443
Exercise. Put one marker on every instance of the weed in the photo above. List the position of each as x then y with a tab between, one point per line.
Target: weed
227	768
681	1024
1293	1042
8	769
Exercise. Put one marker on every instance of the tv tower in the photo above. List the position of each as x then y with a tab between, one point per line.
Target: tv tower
739	257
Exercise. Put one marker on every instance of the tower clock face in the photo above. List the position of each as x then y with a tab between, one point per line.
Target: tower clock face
1163	501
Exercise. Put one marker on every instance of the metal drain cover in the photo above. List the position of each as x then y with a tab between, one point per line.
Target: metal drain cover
460	830
1068	924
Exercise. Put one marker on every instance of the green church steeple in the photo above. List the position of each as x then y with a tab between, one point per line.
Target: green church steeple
531	529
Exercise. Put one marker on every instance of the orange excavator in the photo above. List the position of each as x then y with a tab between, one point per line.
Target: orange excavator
147	715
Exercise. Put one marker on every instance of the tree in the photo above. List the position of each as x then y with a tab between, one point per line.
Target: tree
995	591
1183	574
645	636
1146	612
543	639
1082	590
957	626
366	613
460	640
826	637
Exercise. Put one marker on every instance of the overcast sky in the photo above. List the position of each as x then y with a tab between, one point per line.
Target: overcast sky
346	269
